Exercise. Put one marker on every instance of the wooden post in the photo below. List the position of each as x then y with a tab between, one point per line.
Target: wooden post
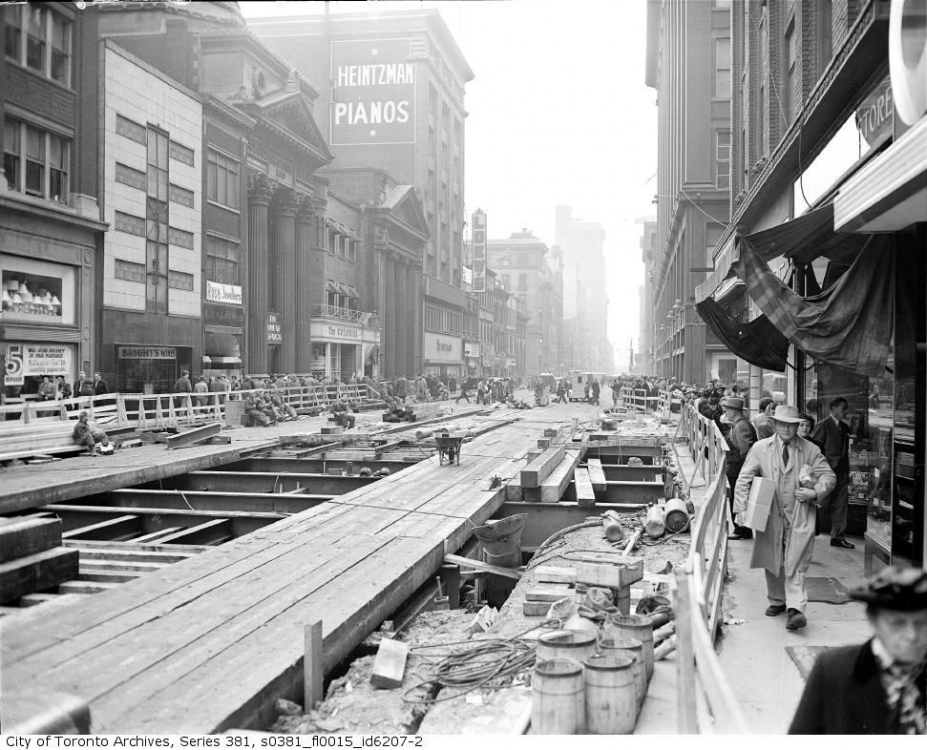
450	577
685	656
312	666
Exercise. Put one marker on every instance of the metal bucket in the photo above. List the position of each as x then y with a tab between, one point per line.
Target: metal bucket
557	699
610	694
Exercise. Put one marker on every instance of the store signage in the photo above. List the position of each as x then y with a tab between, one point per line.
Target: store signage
31	360
373	92
479	251
274	330
471	349
876	114
227	294
146	352
341	332
442	348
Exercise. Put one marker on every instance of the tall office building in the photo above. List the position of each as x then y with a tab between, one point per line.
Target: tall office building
585	297
391	87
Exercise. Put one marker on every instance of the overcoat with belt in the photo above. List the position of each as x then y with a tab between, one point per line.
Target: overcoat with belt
764	460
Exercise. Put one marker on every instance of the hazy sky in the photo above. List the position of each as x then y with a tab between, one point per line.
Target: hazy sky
558	113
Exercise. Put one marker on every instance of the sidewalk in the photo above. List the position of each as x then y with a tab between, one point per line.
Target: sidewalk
753	654
752	648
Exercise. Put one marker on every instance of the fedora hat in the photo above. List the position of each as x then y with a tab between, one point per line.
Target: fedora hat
733	402
787	414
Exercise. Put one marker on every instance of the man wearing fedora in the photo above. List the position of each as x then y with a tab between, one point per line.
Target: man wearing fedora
740	438
785	547
879	687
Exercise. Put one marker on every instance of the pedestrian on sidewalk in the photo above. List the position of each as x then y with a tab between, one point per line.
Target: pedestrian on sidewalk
740	439
834	434
786	546
879	687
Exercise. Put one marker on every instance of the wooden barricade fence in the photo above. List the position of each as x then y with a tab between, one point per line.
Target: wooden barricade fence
706	702
26	423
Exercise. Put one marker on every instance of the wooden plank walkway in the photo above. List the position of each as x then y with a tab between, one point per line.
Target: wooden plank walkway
206	644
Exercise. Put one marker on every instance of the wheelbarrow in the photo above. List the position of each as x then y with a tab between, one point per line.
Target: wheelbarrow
448	448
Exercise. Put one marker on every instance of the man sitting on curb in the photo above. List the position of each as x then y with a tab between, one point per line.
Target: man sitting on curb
85	434
803	480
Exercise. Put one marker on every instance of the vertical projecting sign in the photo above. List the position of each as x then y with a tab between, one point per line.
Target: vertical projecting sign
479	251
373	92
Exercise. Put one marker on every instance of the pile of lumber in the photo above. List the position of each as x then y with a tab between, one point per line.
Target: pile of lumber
548	473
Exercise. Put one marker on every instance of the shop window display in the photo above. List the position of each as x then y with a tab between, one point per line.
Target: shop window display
30	295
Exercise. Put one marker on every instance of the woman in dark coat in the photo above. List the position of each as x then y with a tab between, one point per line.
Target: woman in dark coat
879	687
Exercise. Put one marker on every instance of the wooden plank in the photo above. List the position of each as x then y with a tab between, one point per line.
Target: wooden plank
596	474
313	690
119	527
540	468
550	592
216	530
553	486
125	566
585	495
193	436
390	664
26	536
466	562
124	554
85	587
35	572
136	545
554	574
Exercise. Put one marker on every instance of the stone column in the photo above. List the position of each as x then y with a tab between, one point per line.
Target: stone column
384	293
305	244
258	300
402	327
283	257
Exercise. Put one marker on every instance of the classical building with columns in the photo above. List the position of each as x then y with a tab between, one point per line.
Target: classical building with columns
392	236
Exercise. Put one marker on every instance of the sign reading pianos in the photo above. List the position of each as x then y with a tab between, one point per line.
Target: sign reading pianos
373	92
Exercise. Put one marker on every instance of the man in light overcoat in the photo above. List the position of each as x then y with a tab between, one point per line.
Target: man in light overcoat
784	549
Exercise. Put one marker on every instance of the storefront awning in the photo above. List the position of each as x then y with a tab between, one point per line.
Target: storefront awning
802	239
350	291
758	342
849	324
331	286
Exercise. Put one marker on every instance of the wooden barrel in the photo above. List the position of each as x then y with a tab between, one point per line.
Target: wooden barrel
639	627
677	516
557	700
610	695
578	645
635	648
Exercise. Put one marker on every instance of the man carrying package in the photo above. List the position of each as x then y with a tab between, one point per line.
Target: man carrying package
785	546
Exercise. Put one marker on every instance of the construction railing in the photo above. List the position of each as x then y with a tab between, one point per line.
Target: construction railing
706	702
147	411
637	399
